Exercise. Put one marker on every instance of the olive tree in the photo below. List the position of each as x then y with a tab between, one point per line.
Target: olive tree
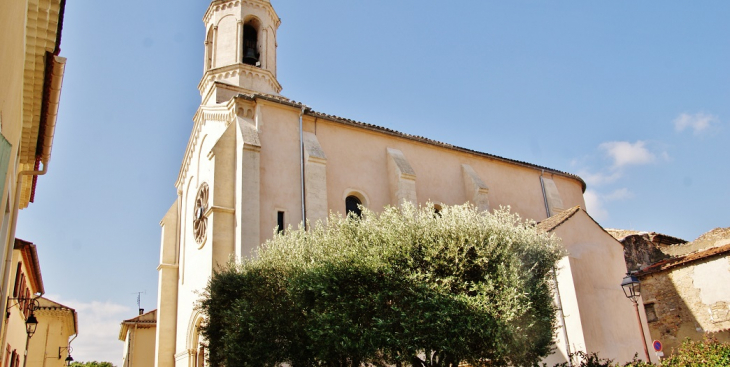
406	286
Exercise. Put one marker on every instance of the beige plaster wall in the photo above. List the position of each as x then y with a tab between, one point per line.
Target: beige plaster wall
357	161
139	348
689	302
569	335
16	331
608	318
196	260
55	327
167	290
12	58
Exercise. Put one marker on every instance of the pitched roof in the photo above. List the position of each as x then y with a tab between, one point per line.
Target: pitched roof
49	305
310	112
29	256
44	25
678	261
549	224
146	320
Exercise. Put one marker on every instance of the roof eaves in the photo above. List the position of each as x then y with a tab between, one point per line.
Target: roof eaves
30	259
686	259
555	221
346	121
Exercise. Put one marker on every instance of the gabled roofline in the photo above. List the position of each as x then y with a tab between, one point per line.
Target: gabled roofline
126	324
55	305
30	259
552	223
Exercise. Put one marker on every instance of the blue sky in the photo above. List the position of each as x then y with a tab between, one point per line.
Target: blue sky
632	96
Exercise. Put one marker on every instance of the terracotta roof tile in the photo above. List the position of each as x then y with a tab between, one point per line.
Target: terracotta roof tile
549	224
310	112
678	261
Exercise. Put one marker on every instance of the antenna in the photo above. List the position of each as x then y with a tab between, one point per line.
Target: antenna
139	299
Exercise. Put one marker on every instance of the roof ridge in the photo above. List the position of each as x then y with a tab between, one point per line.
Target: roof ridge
312	112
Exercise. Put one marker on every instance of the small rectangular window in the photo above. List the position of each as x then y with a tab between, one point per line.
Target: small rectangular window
650	312
280	222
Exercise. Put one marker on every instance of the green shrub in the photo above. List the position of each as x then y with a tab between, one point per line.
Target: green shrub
708	352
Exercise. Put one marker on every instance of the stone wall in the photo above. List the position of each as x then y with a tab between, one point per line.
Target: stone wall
688	301
640	251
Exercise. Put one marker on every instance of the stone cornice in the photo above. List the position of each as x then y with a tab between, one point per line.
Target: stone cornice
218	5
166	266
213	75
218	209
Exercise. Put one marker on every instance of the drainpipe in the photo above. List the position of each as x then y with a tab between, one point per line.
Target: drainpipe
561	314
52	93
301	166
11	235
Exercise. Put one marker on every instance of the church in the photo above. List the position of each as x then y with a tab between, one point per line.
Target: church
257	161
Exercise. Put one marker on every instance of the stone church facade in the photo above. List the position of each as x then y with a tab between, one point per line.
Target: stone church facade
256	161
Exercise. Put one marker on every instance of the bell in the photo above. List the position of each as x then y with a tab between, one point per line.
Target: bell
250	57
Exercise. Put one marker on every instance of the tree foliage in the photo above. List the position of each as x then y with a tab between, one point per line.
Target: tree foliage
401	287
91	364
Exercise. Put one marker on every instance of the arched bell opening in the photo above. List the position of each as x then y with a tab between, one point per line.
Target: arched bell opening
209	50
251	43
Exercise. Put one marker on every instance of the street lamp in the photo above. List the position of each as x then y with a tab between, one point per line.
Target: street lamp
27	304
68	359
31	324
632	290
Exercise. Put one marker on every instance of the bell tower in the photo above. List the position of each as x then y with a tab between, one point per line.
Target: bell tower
240	49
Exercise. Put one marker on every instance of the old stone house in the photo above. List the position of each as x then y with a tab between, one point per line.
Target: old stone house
684	284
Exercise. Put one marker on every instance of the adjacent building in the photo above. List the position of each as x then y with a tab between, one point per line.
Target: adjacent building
684	285
56	323
257	161
31	75
49	346
138	335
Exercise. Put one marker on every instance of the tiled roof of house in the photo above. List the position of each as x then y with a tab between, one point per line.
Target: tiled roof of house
46	304
29	256
678	261
146	320
552	223
549	224
346	121
148	317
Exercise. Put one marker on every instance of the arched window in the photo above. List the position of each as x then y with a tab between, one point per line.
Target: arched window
352	205
250	44
209	50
